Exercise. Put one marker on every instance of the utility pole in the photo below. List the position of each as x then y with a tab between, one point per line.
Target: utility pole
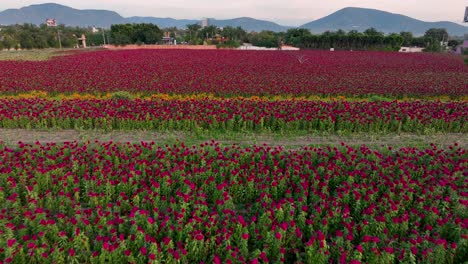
60	41
103	36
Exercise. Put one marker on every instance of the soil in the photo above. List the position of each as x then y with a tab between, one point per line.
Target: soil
13	136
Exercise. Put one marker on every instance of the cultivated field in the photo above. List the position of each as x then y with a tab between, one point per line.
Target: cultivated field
222	156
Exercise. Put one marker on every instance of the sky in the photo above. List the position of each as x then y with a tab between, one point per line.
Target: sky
285	12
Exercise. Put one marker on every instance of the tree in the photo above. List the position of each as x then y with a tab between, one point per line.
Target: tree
268	39
437	34
123	34
209	32
407	38
373	32
296	36
453	43
193	32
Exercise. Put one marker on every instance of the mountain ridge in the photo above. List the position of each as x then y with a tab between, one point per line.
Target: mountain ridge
358	18
349	18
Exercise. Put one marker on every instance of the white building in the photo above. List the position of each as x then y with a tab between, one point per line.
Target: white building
410	49
204	22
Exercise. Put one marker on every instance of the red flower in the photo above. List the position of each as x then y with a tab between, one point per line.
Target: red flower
71	252
11	242
216	259
199	237
278	235
245	236
359	248
320	236
143	251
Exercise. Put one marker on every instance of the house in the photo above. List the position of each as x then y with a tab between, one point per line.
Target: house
411	49
167	39
462	48
287	47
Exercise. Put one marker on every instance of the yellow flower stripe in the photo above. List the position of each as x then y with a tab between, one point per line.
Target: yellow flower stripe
201	96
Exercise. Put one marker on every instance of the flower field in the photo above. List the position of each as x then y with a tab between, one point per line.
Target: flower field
228	73
118	203
235	115
91	201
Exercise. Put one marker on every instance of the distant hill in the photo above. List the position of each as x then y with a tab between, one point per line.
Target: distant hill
37	14
249	24
350	18
162	22
360	19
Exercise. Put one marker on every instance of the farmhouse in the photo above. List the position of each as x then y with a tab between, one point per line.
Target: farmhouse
410	49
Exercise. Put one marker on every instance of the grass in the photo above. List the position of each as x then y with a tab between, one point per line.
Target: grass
37	54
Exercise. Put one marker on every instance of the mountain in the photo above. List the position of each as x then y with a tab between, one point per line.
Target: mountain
360	19
351	18
248	24
163	22
37	14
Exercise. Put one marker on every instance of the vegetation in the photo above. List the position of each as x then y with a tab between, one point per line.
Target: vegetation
30	36
123	34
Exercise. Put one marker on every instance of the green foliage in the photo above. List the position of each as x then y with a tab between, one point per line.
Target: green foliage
122	95
437	34
228	44
434	46
370	39
267	39
29	36
124	34
193	34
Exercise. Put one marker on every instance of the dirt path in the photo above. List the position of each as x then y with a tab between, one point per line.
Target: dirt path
12	136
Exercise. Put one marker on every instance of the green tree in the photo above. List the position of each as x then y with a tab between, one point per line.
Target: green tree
297	36
193	30
265	38
437	34
407	38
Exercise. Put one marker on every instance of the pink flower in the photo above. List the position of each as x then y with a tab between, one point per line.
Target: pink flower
278	235
11	242
143	251
216	259
320	236
359	248
199	237
245	236
71	252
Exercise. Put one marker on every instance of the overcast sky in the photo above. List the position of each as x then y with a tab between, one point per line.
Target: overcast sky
286	12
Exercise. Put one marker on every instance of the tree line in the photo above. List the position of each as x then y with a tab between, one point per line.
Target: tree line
29	36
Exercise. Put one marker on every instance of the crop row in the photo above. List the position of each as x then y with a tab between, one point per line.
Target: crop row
235	115
120	203
230	73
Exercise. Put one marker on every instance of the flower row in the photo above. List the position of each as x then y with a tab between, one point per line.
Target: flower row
235	115
224	73
123	203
